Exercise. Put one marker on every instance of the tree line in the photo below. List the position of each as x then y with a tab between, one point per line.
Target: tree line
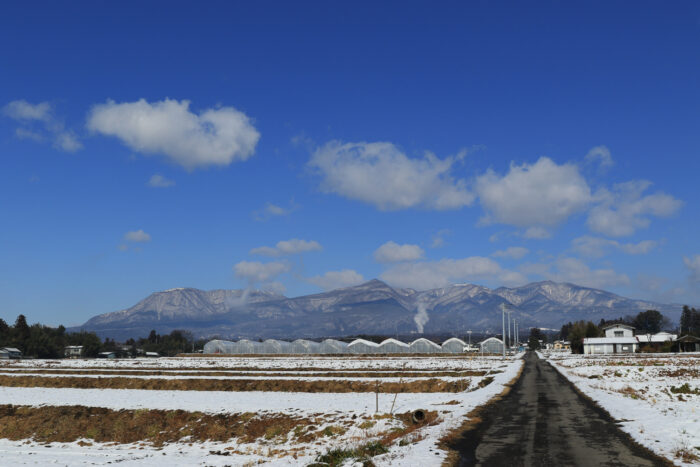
40	341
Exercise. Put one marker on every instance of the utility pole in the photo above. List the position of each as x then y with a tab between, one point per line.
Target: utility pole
503	327
509	339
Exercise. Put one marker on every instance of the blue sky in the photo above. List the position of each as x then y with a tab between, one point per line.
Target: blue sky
299	147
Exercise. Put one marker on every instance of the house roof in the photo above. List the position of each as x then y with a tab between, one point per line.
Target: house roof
688	338
659	337
619	325
11	349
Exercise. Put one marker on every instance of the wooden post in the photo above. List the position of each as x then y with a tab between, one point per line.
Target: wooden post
376	410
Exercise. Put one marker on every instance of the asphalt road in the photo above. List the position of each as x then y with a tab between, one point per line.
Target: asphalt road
544	422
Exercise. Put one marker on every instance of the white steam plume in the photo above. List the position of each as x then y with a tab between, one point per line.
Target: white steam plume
421	317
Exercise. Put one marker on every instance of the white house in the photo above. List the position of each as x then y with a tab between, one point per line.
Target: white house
73	351
619	338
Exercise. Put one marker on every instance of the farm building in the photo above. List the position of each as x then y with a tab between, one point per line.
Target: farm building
10	352
491	345
362	346
686	344
453	345
424	346
332	346
393	346
73	351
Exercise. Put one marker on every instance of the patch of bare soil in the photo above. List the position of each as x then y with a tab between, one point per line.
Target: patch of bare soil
71	423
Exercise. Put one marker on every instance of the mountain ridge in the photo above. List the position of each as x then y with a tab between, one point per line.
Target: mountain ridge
373	307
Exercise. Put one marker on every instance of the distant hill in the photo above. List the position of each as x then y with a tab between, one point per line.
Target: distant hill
370	308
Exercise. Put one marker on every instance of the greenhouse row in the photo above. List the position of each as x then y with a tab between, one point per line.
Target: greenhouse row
332	346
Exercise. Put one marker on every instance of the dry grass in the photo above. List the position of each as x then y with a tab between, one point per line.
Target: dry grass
362	373
72	423
238	385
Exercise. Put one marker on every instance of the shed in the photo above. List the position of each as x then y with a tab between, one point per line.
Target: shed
454	345
73	351
423	345
10	352
107	355
491	345
393	346
686	344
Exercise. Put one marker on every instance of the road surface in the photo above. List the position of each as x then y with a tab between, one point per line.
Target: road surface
544	422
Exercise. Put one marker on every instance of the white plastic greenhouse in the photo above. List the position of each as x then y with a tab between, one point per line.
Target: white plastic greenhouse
453	345
423	345
393	346
332	346
362	346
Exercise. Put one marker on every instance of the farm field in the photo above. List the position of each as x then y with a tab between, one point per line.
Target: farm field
272	410
655	397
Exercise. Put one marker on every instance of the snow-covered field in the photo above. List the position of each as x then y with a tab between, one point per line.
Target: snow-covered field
437	362
656	397
353	412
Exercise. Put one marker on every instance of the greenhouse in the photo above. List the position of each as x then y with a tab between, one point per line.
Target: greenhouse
453	345
491	345
362	346
393	346
424	346
273	346
304	346
332	346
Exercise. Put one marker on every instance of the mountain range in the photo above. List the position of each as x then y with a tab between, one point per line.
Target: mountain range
370	308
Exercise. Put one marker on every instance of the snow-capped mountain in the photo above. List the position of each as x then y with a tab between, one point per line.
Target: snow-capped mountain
370	308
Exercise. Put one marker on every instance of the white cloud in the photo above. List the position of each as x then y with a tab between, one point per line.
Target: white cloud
288	247
537	233
623	210
159	181
600	154
337	279
23	110
432	274
67	141
693	265
23	133
381	175
575	271
257	272
137	236
533	195
438	240
392	252
513	252
213	137
274	210
596	247
48	126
